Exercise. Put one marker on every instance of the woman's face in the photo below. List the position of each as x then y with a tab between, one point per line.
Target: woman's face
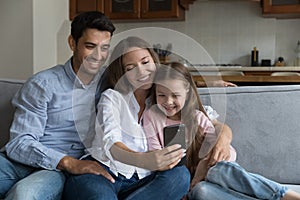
171	96
139	67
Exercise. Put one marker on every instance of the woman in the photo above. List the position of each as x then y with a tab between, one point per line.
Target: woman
137	173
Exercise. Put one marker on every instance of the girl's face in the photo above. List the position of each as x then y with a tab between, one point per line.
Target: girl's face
139	67
171	96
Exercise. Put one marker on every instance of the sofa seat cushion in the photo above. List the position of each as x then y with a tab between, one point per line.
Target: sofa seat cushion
265	125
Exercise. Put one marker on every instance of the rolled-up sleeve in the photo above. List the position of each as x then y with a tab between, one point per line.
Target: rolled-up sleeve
211	113
29	126
108	130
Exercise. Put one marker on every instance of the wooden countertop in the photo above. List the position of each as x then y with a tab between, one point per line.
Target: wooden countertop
253	79
241	68
248	76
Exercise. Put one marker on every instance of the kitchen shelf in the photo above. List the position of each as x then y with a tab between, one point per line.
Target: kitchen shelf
245	69
251	75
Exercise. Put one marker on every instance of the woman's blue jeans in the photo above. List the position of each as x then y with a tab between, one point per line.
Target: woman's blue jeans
19	181
229	181
171	184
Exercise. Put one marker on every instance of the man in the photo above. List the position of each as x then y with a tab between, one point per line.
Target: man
44	139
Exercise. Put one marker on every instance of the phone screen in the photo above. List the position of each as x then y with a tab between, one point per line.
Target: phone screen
174	134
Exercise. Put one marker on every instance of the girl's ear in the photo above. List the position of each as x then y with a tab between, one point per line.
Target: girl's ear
72	43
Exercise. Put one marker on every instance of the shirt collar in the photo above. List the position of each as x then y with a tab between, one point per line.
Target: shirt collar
133	104
69	70
73	77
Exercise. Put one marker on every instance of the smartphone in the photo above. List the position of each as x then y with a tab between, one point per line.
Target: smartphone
175	134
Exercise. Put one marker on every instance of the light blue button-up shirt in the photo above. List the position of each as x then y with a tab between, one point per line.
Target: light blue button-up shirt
53	111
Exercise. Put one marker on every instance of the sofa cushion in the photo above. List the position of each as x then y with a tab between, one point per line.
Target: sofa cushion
266	127
8	88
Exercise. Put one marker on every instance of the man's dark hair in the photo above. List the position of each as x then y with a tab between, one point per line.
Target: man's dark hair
90	20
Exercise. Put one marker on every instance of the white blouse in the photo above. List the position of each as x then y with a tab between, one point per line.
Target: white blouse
117	121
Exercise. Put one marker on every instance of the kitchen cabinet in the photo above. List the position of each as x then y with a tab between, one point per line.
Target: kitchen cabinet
185	3
281	8
127	9
79	6
124	10
157	9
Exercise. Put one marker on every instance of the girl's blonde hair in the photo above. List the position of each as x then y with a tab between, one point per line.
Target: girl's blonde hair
176	71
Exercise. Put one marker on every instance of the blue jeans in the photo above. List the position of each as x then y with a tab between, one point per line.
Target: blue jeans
19	181
171	184
229	181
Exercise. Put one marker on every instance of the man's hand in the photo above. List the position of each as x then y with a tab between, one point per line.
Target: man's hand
221	83
75	166
221	151
201	171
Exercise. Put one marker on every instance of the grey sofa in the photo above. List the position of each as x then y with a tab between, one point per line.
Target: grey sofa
7	90
264	120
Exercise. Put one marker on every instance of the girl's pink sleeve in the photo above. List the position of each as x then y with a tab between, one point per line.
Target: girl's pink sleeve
151	132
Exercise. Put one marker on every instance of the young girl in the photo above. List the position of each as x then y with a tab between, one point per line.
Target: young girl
175	100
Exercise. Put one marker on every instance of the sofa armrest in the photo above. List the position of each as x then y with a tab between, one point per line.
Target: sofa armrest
8	88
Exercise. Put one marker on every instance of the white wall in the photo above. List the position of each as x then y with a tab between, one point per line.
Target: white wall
48	18
229	30
30	35
16	39
36	31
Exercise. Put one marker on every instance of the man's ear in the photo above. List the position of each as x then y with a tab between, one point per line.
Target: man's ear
72	43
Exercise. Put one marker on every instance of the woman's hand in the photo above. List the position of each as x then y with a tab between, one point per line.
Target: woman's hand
161	160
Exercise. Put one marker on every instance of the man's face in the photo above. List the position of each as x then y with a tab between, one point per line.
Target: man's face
90	52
